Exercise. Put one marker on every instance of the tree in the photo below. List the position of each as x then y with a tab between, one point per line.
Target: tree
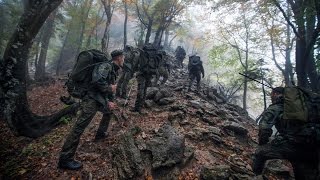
14	104
108	9
48	29
306	25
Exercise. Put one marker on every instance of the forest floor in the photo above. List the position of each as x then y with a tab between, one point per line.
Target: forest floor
25	158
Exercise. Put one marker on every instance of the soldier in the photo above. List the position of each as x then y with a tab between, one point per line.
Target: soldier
180	54
99	98
147	67
129	68
299	149
195	69
164	68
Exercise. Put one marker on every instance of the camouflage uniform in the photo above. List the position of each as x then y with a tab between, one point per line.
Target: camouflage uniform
144	78
195	72
164	69
97	98
180	54
288	144
131	60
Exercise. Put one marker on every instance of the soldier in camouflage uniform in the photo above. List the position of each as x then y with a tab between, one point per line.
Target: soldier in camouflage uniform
99	98
129	68
164	68
144	75
180	54
288	144
195	69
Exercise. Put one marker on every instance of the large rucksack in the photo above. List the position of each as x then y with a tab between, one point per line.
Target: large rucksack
194	64
81	75
301	105
151	61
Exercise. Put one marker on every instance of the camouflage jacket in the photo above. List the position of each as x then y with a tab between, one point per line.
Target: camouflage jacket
103	76
271	117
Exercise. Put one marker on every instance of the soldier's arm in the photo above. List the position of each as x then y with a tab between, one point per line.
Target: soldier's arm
202	70
267	120
99	78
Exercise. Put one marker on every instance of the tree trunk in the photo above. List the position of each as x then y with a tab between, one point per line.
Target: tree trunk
106	35
125	24
300	61
166	39
149	29
15	106
48	29
59	62
84	15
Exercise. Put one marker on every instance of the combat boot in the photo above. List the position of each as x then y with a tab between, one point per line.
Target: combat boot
69	164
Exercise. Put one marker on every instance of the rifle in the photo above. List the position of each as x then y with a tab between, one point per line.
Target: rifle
256	80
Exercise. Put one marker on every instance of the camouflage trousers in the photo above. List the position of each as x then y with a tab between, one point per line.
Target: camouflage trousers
123	83
303	158
89	108
144	81
164	72
192	77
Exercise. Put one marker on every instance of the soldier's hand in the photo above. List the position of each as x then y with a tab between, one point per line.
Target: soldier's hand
113	88
112	105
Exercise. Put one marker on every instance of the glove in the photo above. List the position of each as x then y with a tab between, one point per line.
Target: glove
202	75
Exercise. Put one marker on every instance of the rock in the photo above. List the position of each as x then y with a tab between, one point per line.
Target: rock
151	92
149	103
167	147
162	93
178	107
215	130
278	168
126	158
166	101
195	104
220	172
236	128
180	88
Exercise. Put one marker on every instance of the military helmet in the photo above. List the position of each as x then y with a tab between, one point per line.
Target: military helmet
116	53
195	59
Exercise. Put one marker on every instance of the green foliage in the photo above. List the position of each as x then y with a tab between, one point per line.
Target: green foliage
65	119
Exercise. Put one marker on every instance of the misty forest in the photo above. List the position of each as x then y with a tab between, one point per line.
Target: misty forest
247	47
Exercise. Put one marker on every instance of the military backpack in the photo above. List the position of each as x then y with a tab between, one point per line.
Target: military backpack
194	64
80	77
151	61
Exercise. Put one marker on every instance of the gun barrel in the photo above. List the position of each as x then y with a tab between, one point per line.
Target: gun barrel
256	80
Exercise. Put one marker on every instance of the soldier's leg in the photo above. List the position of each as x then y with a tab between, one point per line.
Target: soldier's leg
140	94
88	110
165	76
198	77
103	127
274	150
127	77
120	84
191	79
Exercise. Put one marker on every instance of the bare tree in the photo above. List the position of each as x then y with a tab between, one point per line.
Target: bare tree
14	103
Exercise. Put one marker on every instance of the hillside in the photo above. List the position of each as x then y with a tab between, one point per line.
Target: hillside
179	135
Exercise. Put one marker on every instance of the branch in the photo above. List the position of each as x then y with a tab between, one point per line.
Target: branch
286	18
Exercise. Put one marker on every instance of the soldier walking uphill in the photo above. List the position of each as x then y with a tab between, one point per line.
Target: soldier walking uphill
180	54
147	67
195	69
294	141
99	97
129	68
164	68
